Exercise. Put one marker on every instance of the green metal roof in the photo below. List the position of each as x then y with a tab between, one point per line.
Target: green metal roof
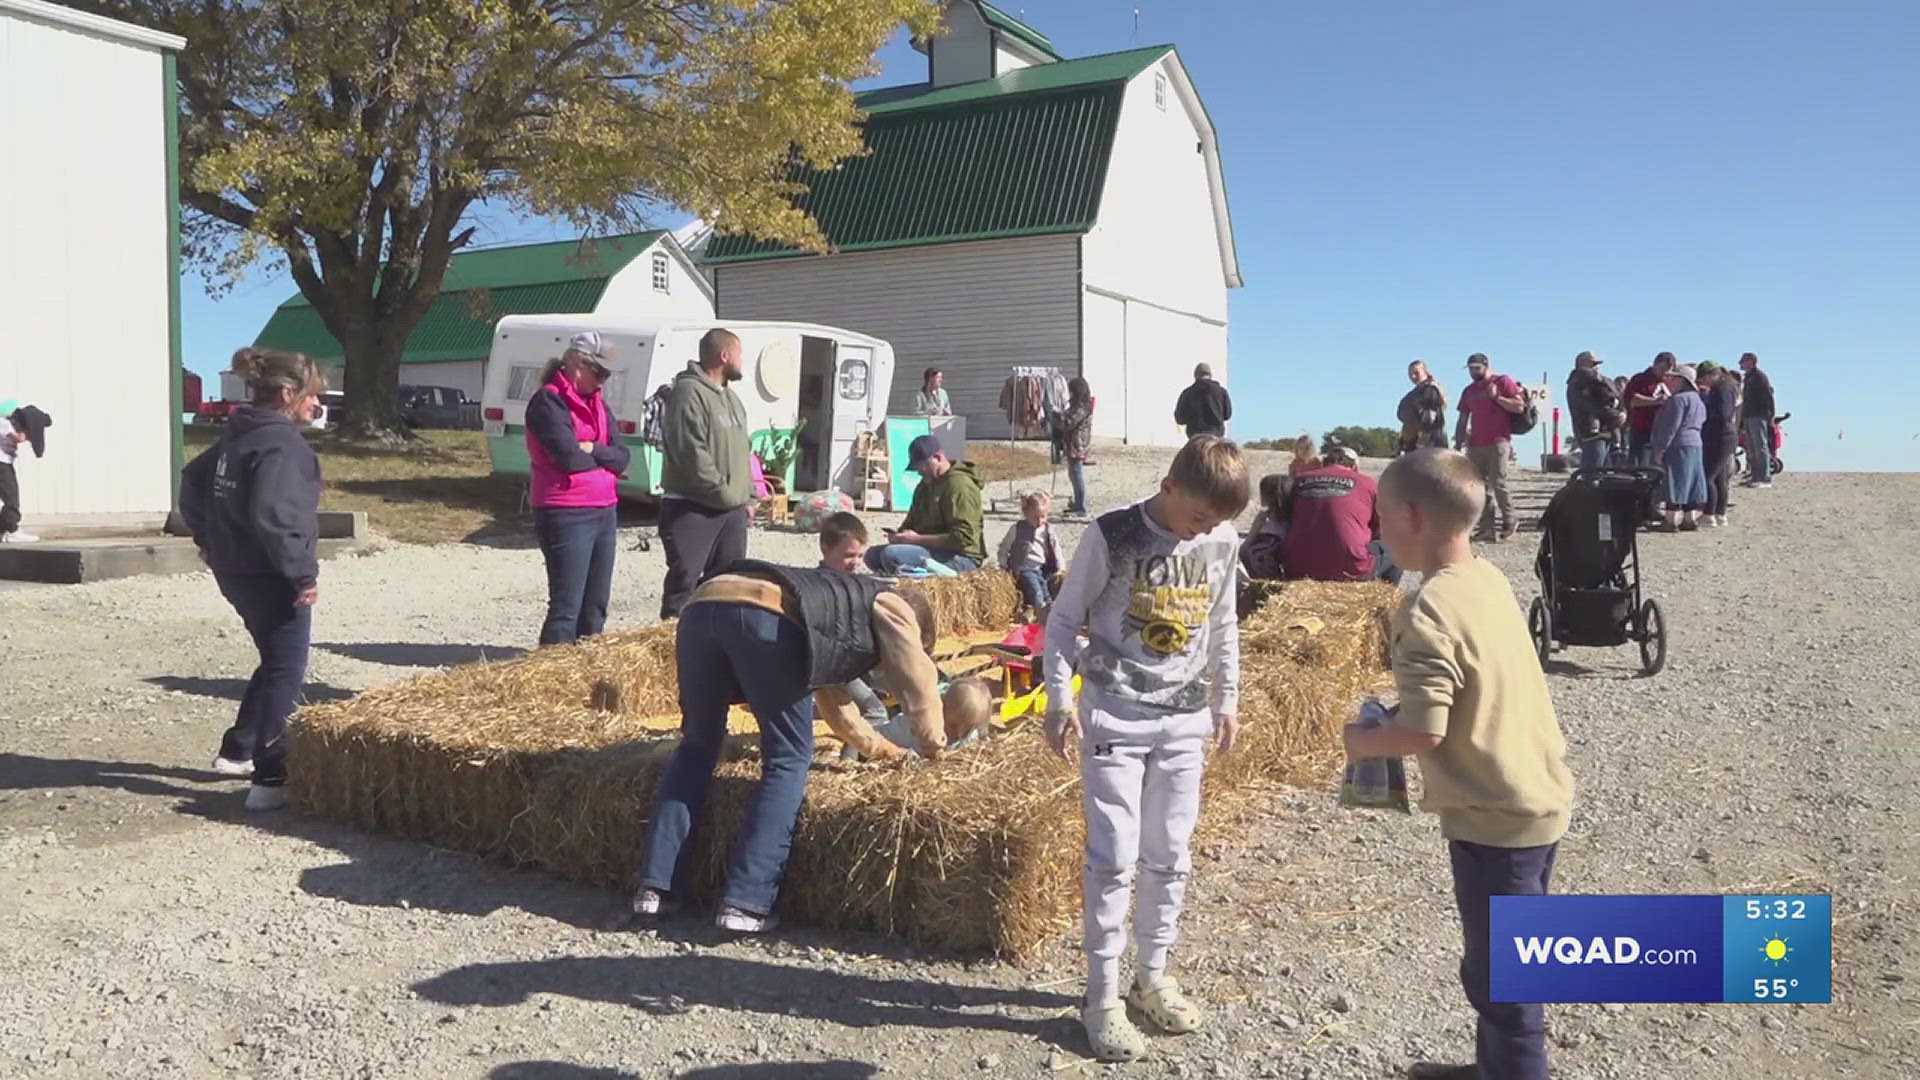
1007	24
1019	155
479	288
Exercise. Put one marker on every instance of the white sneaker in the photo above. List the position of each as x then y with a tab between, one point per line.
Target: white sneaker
653	904
738	920
1720	519
261	797
18	537
230	767
1709	522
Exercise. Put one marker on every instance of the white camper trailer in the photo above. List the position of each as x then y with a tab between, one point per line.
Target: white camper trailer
837	381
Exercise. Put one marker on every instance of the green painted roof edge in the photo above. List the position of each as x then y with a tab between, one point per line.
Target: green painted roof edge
1006	23
1114	67
642	241
1064	228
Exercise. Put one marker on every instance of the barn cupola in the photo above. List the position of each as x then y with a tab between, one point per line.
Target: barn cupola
980	41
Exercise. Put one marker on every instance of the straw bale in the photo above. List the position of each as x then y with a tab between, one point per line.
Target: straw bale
979	851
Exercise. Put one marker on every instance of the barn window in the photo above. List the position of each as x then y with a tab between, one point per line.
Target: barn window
1160	92
660	282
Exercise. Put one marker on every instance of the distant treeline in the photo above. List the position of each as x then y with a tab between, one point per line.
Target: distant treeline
1377	442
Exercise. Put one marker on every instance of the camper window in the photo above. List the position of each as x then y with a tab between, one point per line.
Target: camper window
853	380
522	382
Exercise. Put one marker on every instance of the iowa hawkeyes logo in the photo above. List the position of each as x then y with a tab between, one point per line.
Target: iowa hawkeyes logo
1164	636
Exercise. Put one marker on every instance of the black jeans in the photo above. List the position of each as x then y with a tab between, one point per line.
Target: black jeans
9	498
280	632
700	543
1511	1042
725	652
579	544
1719	461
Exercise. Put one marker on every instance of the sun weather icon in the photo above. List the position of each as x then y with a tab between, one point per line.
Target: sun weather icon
1776	950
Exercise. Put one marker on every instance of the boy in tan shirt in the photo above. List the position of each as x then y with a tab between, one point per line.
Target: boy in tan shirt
1474	707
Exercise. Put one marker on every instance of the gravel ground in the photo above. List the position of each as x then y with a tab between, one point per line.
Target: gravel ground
156	930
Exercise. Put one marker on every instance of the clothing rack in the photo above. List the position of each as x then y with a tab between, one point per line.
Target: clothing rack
1046	373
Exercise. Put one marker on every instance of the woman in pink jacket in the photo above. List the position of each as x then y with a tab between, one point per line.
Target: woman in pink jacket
577	459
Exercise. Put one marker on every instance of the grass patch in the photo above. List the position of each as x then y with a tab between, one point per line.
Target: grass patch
440	488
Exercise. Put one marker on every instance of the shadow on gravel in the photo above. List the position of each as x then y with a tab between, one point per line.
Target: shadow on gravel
786	1070
20	772
1571	670
556	1070
671	985
235	689
406	654
393	873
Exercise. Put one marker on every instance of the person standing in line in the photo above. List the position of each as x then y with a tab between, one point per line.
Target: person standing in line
1645	393
1153	585
1204	407
14	434
576	459
1423	411
1485	432
1757	410
705	474
252	501
1076	440
931	399
1677	448
1718	438
1593	409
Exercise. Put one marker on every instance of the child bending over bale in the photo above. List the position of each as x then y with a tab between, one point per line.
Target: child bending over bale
773	636
1154	586
1474	706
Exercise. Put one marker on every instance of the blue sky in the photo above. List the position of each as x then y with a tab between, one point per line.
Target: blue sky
1526	180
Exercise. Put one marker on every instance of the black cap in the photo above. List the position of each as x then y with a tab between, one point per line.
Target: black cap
921	449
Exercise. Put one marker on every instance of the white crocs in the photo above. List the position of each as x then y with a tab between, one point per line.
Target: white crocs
1111	1035
1167	1007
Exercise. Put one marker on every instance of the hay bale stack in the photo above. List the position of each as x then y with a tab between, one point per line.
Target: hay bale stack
977	852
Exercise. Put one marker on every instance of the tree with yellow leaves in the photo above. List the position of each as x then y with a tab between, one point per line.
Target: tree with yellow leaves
354	138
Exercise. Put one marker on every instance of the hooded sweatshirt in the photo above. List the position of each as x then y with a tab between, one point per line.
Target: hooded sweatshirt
706	449
253	499
948	510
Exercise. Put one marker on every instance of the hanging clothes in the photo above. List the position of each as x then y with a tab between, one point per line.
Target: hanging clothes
1023	398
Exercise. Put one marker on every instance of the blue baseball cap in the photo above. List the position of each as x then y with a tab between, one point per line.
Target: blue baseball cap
921	449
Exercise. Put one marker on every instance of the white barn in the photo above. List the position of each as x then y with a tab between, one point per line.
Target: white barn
1018	208
89	260
640	275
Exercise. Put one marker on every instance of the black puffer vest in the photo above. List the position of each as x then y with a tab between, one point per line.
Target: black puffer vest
837	609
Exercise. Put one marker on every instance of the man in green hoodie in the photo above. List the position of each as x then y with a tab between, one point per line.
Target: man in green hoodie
704	478
943	524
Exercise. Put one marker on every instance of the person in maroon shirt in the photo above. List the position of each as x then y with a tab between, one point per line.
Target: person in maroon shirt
1332	529
1645	393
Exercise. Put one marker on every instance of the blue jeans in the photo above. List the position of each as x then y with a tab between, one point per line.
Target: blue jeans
1759	450
1640	448
1077	476
1511	1042
893	558
1383	568
579	543
280	632
725	652
1033	588
1593	453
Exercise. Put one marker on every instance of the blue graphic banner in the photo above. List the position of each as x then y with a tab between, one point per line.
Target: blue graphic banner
1662	948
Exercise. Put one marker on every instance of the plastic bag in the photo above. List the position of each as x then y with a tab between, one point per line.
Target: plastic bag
1376	783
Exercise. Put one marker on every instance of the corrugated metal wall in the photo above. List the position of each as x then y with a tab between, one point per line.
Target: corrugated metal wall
84	267
975	310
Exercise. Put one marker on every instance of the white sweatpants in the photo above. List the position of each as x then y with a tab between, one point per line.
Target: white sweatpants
1140	784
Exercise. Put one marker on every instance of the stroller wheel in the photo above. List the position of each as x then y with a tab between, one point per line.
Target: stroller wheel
1779	467
1650	630
1540	628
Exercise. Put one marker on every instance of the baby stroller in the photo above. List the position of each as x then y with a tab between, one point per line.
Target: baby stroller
1589	567
1779	439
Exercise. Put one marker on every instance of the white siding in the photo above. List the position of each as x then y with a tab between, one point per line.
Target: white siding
630	293
1156	238
964	53
974	310
84	267
1005	60
1104	362
1138	359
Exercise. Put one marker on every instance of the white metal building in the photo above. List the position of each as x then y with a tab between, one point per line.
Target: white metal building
641	275
89	259
1019	209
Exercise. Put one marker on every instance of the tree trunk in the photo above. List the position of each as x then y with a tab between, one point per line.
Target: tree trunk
372	385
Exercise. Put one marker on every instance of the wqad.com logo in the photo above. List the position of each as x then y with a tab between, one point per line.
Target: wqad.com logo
1597	950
